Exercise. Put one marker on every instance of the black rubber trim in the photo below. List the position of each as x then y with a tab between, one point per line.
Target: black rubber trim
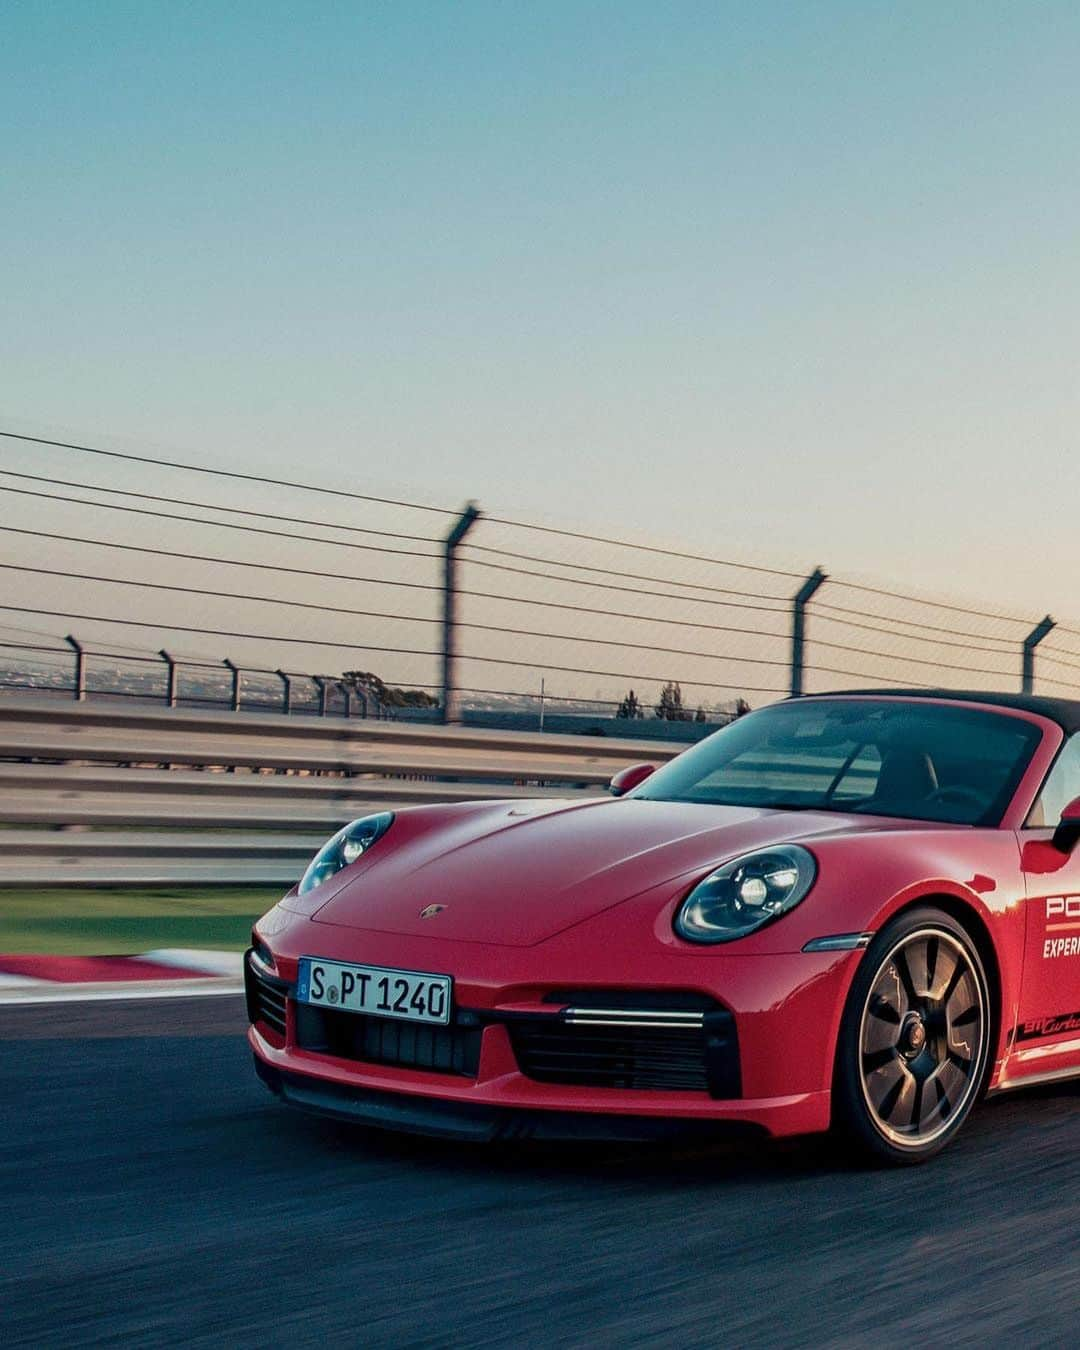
480	1123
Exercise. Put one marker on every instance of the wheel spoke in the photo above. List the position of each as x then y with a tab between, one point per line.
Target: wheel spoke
950	1082
884	1011
873	1060
932	946
917	1107
963	1018
944	1106
959	971
903	970
897	1097
948	968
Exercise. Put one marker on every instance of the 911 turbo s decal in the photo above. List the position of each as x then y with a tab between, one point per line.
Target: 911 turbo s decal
1048	1026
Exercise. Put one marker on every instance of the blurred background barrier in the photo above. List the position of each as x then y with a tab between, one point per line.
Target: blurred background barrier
163	718
92	795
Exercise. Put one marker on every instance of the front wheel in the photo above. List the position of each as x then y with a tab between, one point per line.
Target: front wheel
914	1049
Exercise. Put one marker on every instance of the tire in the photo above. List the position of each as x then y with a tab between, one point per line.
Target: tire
914	1051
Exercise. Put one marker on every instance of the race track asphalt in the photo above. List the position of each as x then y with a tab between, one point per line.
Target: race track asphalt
152	1193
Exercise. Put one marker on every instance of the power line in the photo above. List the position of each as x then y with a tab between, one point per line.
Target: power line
363	647
821	642
641	548
226	473
213	506
629	590
296	485
220	524
385	581
484	627
616	572
384	501
1008	644
922	600
1007	651
372	548
397	618
1045	659
229	562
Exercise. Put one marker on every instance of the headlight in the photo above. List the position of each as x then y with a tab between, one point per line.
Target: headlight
746	894
346	846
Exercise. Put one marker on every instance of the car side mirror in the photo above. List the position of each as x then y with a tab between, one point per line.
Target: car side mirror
1067	834
628	778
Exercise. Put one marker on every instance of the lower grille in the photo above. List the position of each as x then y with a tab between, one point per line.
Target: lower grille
673	1057
384	1040
265	998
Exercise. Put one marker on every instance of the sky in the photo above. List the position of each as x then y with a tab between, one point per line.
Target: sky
788	282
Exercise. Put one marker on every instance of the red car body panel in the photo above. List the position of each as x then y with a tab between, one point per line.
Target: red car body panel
553	896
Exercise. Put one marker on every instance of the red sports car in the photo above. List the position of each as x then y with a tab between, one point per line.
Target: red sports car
855	910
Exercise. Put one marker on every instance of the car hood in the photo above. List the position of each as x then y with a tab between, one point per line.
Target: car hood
517	874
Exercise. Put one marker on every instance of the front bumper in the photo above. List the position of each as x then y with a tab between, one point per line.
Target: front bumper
786	1013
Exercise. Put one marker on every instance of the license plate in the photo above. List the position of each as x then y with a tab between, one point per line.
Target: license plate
375	990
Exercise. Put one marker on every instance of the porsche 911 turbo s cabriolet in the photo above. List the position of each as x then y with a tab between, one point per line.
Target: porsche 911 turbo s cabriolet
857	911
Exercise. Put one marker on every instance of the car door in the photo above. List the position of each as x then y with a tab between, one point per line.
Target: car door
1047	1040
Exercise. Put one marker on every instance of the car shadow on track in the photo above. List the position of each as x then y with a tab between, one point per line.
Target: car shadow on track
1017	1120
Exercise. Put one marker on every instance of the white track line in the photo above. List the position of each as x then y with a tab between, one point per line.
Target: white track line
199	962
26	995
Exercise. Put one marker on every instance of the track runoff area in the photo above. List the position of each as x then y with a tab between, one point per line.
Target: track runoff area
154	1193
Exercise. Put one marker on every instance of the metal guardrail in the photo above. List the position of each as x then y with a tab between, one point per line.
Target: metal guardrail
92	795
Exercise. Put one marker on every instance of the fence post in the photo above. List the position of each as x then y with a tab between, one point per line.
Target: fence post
320	683
80	668
286	697
170	681
806	591
347	690
235	683
465	522
1027	678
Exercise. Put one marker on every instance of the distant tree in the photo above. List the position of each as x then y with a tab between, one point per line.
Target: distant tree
630	707
387	696
670	708
699	716
741	708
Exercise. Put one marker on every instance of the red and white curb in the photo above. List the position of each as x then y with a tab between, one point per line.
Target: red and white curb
173	972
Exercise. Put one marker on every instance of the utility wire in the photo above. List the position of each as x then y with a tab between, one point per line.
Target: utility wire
493	595
232	562
628	590
384	581
444	511
822	608
641	548
397	618
485	627
385	501
226	473
361	647
214	506
922	600
618	572
1007	651
375	548
221	524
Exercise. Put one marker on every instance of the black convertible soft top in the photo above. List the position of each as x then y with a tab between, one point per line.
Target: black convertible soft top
1064	711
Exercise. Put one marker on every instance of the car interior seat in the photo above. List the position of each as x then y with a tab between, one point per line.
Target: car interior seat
907	777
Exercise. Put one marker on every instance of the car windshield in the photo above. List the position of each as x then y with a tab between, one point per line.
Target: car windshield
917	760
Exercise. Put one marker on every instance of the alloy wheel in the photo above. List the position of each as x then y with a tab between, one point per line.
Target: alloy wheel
922	1038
